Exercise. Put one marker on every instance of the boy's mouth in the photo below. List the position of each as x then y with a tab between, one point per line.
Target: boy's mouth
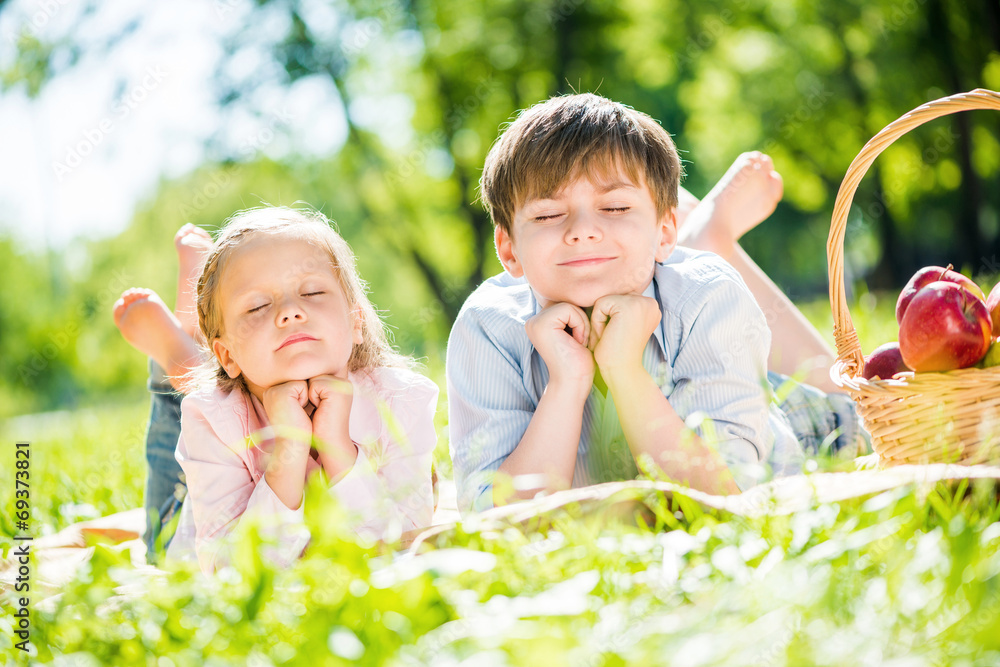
587	261
295	338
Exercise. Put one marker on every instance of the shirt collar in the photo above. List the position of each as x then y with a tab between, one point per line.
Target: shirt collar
653	291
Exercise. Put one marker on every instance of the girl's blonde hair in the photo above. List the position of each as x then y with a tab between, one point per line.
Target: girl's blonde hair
375	349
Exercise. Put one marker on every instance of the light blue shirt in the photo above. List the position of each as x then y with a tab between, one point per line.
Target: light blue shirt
709	357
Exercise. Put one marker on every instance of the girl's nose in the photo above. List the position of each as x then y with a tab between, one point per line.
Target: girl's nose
291	311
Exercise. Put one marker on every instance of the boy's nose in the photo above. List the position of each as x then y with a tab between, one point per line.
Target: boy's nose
583	227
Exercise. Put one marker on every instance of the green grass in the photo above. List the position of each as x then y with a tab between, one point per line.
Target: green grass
908	577
83	464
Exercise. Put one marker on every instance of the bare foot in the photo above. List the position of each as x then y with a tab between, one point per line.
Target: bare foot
743	198
193	245
149	326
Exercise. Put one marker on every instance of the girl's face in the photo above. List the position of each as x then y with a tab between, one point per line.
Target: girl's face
284	314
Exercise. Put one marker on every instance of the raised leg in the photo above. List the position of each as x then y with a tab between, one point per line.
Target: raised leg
149	326
797	348
193	245
745	196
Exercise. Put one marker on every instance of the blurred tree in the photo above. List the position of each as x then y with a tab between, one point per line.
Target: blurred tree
423	86
808	82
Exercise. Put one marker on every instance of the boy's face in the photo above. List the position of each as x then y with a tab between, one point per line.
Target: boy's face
589	240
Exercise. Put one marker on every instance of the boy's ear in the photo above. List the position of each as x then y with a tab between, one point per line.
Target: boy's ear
667	228
505	251
225	358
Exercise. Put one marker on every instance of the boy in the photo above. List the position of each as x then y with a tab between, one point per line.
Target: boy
604	341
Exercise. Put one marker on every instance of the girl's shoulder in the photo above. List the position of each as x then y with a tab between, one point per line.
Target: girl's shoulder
213	397
395	383
226	412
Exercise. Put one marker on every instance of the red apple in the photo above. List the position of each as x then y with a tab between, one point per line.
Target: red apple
926	276
993	305
884	362
945	327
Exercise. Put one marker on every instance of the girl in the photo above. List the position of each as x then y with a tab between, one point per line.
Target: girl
301	372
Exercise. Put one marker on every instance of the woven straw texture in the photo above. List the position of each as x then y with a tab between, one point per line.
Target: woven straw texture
951	417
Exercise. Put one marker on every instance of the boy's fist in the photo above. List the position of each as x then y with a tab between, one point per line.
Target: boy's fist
560	334
621	325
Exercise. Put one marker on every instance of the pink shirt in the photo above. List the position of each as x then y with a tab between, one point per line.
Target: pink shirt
226	442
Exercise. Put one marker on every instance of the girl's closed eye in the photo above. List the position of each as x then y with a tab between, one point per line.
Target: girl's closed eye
257	309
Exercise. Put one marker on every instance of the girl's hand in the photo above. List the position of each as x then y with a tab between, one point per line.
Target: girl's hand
285	405
333	396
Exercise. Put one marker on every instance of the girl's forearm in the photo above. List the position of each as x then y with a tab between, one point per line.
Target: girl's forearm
286	471
337	459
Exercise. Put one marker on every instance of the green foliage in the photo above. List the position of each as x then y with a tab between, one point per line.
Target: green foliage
425	88
38	335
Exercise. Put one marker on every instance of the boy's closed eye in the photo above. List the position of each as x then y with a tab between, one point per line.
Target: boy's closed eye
614	210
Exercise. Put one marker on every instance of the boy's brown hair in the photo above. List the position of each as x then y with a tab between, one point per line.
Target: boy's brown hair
558	140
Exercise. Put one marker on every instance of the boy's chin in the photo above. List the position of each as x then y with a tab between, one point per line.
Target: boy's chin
583	299
582	303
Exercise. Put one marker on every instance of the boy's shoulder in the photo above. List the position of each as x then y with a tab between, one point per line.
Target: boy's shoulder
691	276
500	300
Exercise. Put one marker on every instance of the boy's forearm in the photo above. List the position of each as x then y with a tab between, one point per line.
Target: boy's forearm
652	426
548	447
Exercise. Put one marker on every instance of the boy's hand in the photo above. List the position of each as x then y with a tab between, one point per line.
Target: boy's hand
333	397
621	327
560	334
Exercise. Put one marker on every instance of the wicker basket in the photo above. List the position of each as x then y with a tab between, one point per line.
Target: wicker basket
951	417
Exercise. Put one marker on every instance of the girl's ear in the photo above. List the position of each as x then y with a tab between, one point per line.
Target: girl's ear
358	336
225	358
505	251
667	229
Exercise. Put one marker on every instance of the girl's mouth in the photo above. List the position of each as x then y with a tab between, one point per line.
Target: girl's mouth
295	338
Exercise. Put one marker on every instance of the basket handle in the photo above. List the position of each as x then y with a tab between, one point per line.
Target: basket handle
848	345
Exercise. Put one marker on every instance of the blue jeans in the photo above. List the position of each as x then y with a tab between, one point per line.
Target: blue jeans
164	480
823	423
